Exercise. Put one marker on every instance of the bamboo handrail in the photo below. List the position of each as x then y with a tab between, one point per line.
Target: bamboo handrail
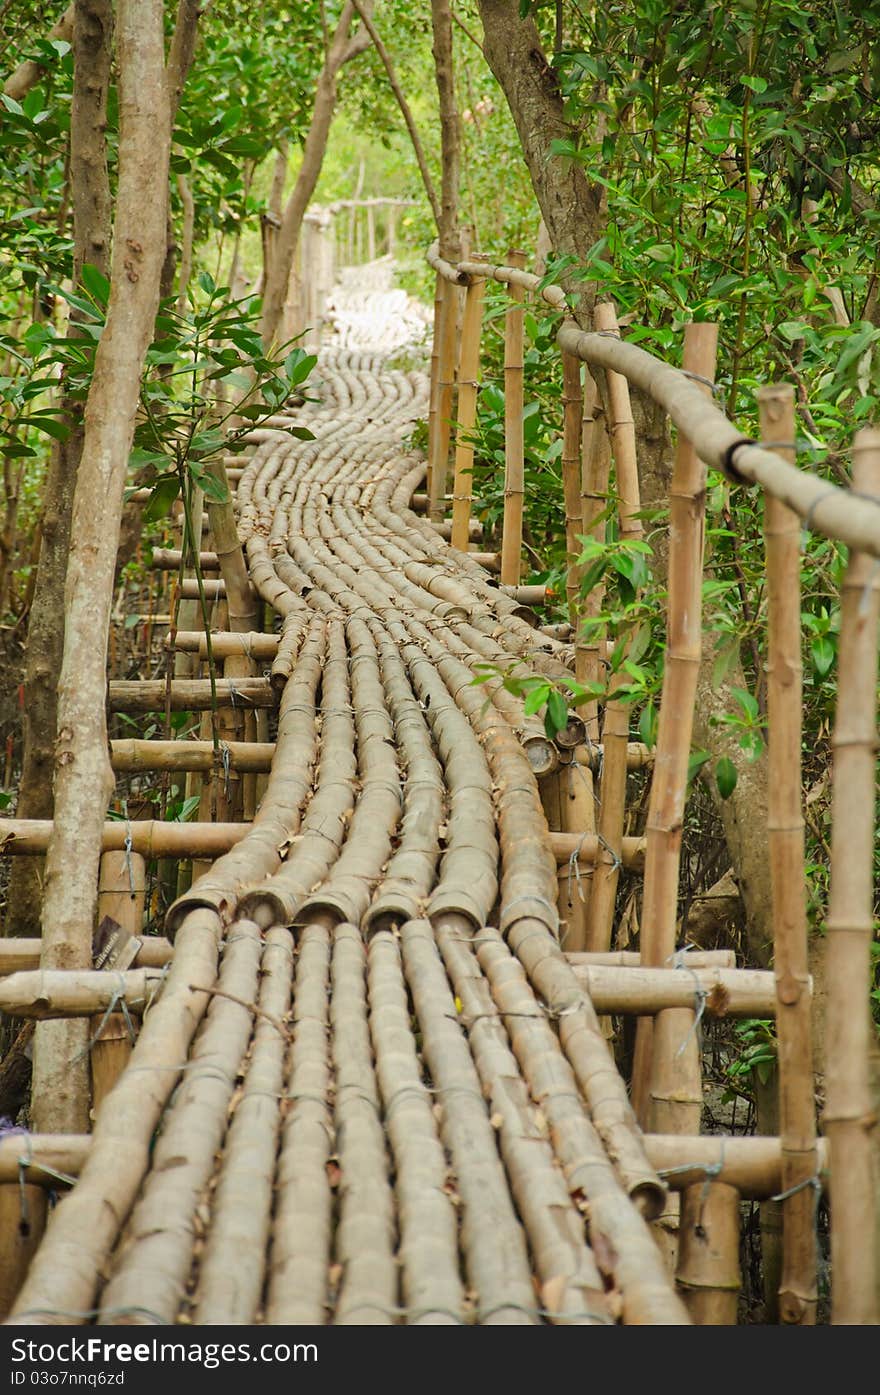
824	508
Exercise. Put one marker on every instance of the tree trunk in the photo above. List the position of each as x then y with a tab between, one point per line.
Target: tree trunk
450	135
84	779
280	263
90	194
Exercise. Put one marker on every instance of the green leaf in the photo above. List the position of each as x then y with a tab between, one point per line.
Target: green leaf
725	777
556	717
164	493
536	698
822	654
754	84
96	284
696	761
661	252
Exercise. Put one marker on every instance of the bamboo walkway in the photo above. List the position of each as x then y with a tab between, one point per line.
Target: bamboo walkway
370	1082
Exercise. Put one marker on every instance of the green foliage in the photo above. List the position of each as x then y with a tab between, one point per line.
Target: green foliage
756	1059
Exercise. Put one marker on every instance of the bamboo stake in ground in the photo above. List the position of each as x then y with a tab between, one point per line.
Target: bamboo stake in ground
468	375
785	837
850	1118
708	1273
684	633
443	398
572	432
615	731
23	1210
514	478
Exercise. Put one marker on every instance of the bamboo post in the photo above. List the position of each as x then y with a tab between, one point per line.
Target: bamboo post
23	1210
121	898
708	1272
572	434
432	396
443	397
595	464
785	838
468	376
615	731
850	1118
514	450
687	507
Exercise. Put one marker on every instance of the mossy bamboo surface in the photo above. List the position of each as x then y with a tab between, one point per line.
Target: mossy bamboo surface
468	377
850	1115
785	837
514	449
684	642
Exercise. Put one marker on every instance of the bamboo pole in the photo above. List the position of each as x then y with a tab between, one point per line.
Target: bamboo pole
17	955
444	399
514	450
432	391
682	664
572	439
121	898
643	990
785	837
224	643
850	1118
250	756
595	463
708	1272
150	837
751	1164
47	993
189	694
615	730
468	377
24	1208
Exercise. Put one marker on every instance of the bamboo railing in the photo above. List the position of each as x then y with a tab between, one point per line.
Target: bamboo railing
388	912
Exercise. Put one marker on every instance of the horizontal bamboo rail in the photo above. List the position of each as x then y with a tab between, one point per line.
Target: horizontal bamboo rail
21	955
644	991
751	1164
252	757
149	837
189	694
168	559
48	993
224	644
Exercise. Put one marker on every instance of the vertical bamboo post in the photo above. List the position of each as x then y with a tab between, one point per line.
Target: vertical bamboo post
371	233
708	1273
23	1212
572	433
595	462
615	729
468	376
850	1119
443	399
121	897
435	362
684	631
785	839
514	449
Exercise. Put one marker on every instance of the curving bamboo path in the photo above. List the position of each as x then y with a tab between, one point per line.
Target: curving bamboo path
372	1087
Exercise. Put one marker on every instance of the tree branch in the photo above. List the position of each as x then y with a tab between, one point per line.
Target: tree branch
404	107
28	73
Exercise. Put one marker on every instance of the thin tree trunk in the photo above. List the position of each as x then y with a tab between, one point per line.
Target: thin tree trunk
84	779
450	135
277	272
90	190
